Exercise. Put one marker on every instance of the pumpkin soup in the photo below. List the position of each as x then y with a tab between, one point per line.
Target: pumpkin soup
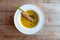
30	24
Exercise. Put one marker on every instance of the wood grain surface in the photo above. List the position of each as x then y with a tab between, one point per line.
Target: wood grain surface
50	30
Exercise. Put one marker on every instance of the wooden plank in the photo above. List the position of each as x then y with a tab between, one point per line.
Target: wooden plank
53	1
50	32
10	5
43	1
6	18
11	38
7	27
9	30
47	32
52	13
30	37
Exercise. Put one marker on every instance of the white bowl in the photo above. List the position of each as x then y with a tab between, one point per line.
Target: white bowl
20	27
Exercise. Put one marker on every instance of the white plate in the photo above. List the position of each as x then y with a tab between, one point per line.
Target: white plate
20	27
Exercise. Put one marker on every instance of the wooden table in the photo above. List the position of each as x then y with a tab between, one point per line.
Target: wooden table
50	31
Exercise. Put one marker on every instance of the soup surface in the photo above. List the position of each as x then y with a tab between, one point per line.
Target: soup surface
28	24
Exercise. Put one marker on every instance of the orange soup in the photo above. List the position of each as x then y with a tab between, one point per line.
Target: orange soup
28	24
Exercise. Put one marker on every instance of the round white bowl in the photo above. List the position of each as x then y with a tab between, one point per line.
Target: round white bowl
19	25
